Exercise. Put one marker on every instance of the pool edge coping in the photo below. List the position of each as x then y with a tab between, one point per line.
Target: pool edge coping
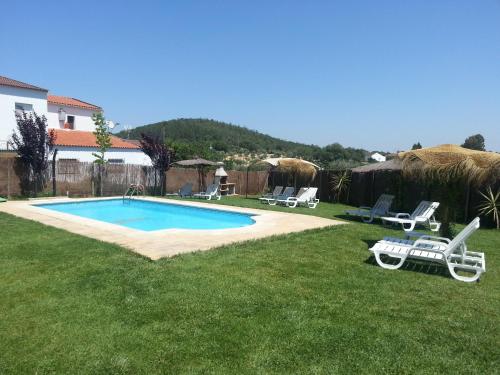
168	242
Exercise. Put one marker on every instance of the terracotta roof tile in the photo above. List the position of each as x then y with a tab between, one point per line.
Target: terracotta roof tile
78	138
4	81
71	102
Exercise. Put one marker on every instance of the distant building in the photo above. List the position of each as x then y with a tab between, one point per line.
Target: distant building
70	118
378	157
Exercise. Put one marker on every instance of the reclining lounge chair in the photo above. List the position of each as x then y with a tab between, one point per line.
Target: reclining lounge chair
423	215
380	208
452	253
305	196
211	192
288	192
276	192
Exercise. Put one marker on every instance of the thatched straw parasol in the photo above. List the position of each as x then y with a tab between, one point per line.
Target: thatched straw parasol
447	163
451	167
297	167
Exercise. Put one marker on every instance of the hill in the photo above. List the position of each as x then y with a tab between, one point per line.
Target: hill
210	138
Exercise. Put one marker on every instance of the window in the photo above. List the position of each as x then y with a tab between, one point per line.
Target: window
70	122
116	161
20	107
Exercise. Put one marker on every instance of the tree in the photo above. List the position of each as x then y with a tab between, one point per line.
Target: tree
475	142
161	157
33	144
103	140
491	205
416	146
340	183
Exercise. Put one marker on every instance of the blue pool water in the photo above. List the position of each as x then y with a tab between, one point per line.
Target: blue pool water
149	216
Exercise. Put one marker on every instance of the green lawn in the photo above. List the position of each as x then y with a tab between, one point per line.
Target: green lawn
312	302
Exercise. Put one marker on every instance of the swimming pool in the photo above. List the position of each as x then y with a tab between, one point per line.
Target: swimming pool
151	216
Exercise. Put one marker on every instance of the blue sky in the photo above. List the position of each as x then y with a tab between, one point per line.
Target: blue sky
374	74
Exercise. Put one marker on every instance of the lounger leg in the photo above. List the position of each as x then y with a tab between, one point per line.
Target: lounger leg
467	279
434	225
369	220
386	265
412	226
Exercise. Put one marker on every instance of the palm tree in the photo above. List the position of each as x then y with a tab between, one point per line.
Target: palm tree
491	205
340	183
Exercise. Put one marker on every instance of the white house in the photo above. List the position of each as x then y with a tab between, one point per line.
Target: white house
378	157
15	95
70	119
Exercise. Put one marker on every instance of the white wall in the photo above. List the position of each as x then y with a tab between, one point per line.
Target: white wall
83	117
84	154
9	96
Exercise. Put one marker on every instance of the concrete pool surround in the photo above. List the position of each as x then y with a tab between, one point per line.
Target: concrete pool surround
168	242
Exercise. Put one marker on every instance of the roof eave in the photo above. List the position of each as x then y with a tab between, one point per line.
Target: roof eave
34	88
75	106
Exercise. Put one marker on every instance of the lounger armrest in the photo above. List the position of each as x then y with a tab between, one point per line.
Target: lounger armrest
435	238
420	241
291	199
403	215
421	218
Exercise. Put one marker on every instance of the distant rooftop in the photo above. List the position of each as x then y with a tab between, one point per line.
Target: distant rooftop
4	81
71	102
78	138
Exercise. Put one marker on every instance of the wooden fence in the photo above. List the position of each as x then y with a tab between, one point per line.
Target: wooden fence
79	179
365	188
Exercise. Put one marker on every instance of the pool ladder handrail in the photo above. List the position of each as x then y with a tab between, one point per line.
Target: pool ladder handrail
133	189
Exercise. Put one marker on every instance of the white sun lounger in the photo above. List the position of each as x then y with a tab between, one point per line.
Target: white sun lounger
380	208
211	192
288	192
284	198
276	192
452	253
305	196
423	215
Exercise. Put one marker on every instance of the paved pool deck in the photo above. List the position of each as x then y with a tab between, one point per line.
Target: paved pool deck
168	242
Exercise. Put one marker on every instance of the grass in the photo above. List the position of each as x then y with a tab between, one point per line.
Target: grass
312	302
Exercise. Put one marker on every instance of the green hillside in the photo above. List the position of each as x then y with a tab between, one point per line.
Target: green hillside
210	138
